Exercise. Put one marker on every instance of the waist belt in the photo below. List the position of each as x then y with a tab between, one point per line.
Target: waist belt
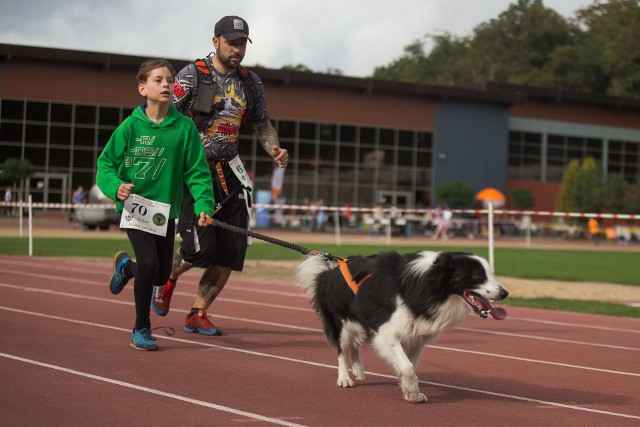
217	162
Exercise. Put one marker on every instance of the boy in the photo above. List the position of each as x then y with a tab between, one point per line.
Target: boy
149	159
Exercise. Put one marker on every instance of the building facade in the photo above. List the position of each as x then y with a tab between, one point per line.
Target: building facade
352	141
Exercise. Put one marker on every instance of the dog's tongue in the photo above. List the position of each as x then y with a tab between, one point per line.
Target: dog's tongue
498	313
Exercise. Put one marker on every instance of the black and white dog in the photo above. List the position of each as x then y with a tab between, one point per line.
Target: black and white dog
398	303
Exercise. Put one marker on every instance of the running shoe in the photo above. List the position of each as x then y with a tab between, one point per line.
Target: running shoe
161	298
141	339
118	279
199	323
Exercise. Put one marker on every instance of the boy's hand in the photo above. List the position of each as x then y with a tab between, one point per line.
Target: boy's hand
124	191
204	220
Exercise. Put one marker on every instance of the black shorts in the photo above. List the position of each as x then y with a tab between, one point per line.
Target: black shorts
205	246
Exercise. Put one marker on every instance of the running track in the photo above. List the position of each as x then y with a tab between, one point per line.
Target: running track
65	360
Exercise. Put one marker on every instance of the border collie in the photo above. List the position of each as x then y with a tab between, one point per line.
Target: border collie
401	303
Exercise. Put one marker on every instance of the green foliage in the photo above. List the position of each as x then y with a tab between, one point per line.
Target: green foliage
597	51
576	306
582	189
522	198
13	170
455	194
570	265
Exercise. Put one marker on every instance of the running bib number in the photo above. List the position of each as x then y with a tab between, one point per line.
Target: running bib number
146	215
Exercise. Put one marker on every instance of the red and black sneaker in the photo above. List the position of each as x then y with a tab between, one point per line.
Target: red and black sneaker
199	323
161	298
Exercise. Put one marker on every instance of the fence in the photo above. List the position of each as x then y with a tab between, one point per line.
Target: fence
386	222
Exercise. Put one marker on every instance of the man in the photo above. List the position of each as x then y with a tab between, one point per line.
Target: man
220	96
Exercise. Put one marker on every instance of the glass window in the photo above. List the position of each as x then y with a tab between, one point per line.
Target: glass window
12	109
36	155
58	158
86	179
286	129
83	136
347	133
306	150
109	116
36	133
83	159
37	111
61	113
10	152
103	137
405	139
347	154
11	132
387	137
307	131
328	132
60	135
425	140
85	114
405	158
368	136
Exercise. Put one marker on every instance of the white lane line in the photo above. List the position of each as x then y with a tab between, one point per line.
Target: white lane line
309	310
535	337
302	328
579	325
301	295
152	391
331	367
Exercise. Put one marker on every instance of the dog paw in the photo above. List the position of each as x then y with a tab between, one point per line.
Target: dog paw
358	372
345	382
415	398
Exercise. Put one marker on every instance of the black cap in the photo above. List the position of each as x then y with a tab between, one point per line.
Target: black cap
232	27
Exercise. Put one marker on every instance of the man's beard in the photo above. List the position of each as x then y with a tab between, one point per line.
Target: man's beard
224	60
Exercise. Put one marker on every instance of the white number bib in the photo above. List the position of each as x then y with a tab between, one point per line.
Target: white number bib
239	171
146	215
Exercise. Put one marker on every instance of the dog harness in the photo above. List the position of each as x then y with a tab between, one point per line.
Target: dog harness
344	269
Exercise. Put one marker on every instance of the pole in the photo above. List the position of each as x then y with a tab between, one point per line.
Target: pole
490	228
336	221
30	226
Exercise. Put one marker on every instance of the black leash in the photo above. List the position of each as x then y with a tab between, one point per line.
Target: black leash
305	251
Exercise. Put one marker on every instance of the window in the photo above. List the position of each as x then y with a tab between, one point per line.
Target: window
85	114
37	111
61	113
12	109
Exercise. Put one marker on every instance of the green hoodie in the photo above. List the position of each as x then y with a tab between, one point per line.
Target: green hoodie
159	159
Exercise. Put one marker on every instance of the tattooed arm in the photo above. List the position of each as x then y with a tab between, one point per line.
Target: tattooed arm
269	140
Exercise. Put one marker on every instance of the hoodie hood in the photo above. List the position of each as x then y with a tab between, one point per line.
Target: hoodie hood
172	116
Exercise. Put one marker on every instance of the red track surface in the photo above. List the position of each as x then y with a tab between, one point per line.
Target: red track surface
65	360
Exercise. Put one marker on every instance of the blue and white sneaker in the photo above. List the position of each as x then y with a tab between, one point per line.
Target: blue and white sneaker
141	339
118	279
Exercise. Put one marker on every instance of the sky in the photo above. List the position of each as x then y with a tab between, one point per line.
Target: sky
354	36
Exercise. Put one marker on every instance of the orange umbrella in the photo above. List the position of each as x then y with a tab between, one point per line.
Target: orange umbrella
491	195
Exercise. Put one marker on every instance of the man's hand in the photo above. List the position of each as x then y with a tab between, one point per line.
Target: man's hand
204	220
124	191
280	156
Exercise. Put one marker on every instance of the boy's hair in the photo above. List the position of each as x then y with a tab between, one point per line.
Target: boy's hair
151	64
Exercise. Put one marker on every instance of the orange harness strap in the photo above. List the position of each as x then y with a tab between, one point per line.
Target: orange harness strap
344	268
223	182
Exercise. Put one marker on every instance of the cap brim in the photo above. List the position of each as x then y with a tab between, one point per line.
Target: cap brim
234	36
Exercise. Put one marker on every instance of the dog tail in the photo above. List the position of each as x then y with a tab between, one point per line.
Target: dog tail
307	273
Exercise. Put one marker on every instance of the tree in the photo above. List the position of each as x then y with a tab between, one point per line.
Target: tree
611	46
597	51
456	194
15	171
522	198
582	188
